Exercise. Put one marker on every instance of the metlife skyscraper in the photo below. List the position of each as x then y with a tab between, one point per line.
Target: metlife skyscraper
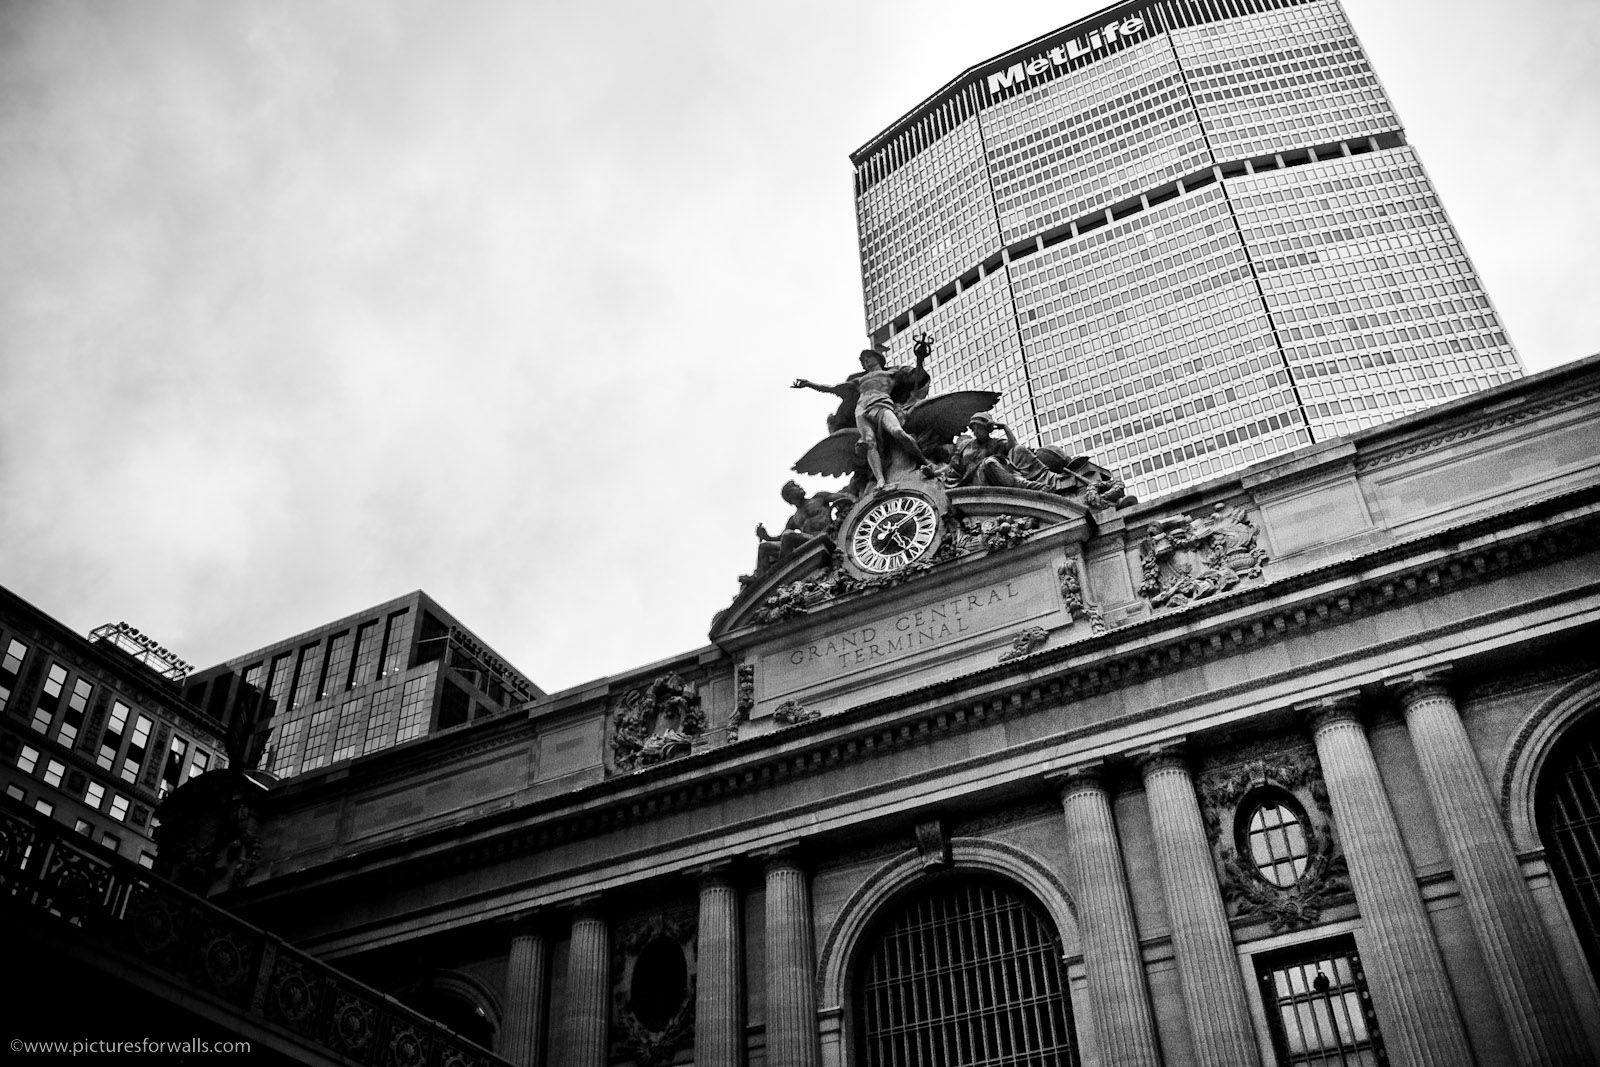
1181	236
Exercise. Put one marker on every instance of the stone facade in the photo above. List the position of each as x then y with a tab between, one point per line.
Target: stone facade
1379	641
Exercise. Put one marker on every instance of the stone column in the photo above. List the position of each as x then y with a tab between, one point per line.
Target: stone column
1519	957
522	1032
1410	990
791	997
1202	944
1113	966
719	990
588	1006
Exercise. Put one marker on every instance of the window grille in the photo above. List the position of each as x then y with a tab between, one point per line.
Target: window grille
1275	840
1318	1007
964	973
1569	823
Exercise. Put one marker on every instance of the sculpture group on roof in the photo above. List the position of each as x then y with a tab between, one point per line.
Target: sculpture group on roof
887	431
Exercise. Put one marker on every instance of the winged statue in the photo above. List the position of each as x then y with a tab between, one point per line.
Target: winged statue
885	413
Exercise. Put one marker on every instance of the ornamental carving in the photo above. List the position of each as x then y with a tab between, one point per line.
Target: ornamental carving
655	723
792	713
1185	560
965	535
1028	641
1245	892
653	996
744	698
1072	597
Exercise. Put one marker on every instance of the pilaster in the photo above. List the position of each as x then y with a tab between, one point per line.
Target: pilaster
1521	962
719	989
1410	989
791	961
588	986
1113	965
1208	967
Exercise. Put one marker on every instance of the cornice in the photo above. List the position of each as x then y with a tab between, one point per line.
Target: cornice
1422	568
1390	454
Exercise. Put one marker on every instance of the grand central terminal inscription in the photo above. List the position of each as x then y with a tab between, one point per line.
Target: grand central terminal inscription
940	621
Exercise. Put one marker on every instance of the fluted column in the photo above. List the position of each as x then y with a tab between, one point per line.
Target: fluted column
588	1001
1202	945
791	999
1410	990
1520	959
719	990
522	1029
1113	966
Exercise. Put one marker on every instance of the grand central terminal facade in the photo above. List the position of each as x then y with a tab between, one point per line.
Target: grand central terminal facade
1295	766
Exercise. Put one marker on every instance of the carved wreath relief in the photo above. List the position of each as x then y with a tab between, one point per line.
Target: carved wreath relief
1228	799
655	722
653	997
1184	559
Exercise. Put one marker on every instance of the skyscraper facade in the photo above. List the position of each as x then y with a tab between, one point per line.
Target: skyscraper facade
1180	236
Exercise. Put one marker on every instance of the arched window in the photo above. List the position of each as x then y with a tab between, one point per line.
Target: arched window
1567	807
455	1011
965	970
1272	832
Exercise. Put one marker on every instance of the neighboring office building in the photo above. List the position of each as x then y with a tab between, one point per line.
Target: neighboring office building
363	683
1180	236
94	732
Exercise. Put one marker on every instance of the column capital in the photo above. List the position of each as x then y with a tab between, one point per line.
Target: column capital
588	906
716	872
535	922
783	854
1079	777
1421	685
1172	754
1331	710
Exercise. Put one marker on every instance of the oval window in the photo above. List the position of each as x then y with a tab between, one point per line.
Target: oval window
660	984
1275	840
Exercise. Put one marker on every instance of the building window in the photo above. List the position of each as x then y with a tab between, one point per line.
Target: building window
147	860
201	764
111	740
84	827
1272	833
172	771
27	759
94	795
368	635
416	708
50	699
44	807
111	841
335	667
119	807
967	970
133	762
16	792
10	670
1567	809
1318	1007
72	721
53	772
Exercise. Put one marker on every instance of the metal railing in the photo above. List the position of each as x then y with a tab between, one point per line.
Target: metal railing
50	874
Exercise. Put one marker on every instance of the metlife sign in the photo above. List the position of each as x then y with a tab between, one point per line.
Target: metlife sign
1088	46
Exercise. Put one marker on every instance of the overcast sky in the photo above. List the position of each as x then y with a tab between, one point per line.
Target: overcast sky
306	305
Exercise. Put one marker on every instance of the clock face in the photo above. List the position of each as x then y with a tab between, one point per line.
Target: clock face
893	533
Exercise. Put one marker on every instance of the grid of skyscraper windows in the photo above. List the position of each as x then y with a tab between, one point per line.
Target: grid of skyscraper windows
1281	80
1151	345
1092	140
1379	310
976	346
928	223
1219	245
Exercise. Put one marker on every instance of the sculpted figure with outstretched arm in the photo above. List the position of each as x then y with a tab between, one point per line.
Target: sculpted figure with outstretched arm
878	390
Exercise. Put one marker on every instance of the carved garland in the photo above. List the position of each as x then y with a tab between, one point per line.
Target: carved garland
649	1047
1244	891
1072	596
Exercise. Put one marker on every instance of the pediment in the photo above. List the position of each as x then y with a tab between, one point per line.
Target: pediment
819	558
